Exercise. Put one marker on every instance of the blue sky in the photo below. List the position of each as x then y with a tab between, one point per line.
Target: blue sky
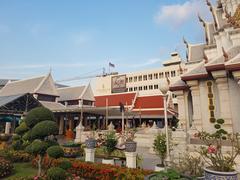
80	37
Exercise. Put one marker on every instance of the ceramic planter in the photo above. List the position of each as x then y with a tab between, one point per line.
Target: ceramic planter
131	146
108	161
217	175
71	151
90	143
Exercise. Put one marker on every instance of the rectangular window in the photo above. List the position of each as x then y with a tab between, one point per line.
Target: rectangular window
140	88
150	76
130	79
126	80
173	73
144	77
139	78
155	86
150	87
166	74
155	75
145	88
135	78
161	75
130	89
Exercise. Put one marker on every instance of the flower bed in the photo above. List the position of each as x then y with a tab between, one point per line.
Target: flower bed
16	156
99	171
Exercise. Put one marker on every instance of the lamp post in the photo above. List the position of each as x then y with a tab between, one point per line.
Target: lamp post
164	87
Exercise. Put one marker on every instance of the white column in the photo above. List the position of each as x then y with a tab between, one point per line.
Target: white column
61	125
7	128
197	117
131	159
182	107
224	98
89	155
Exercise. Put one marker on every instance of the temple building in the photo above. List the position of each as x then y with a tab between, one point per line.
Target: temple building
210	88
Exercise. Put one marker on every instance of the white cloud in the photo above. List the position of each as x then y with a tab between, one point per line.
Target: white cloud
178	14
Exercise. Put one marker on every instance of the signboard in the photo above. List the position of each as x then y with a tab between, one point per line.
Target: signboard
119	84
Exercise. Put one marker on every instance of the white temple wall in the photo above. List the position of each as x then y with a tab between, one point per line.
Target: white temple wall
234	92
204	105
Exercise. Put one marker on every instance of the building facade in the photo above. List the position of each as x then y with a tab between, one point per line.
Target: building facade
210	89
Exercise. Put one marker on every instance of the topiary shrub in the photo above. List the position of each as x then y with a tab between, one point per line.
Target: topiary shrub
37	147
37	115
17	145
43	129
16	137
55	152
6	167
56	173
65	164
22	128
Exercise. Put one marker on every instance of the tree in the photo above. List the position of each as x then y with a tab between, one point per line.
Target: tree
36	129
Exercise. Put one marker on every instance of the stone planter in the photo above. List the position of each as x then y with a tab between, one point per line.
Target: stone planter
159	168
90	143
72	151
130	146
108	161
217	175
5	137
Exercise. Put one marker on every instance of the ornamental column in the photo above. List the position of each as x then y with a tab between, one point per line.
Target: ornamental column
197	116
182	106
224	98
61	124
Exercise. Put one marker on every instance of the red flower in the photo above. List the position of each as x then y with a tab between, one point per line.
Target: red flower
212	149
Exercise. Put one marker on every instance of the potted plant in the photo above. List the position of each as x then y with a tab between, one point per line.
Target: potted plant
72	149
220	163
160	147
130	145
109	146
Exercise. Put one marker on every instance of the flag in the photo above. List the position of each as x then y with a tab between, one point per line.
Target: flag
111	65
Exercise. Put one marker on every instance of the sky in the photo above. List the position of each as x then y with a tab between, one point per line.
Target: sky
78	38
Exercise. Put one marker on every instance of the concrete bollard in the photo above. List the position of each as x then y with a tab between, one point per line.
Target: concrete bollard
131	159
89	154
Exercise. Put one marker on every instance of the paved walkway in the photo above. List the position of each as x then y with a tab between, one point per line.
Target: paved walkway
149	160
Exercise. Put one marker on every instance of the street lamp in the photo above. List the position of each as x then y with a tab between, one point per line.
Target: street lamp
164	87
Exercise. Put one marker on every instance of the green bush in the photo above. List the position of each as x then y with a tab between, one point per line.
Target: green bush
56	173
22	128
16	137
55	152
110	143
27	136
65	164
160	147
6	167
43	129
16	156
17	145
37	115
37	147
51	143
